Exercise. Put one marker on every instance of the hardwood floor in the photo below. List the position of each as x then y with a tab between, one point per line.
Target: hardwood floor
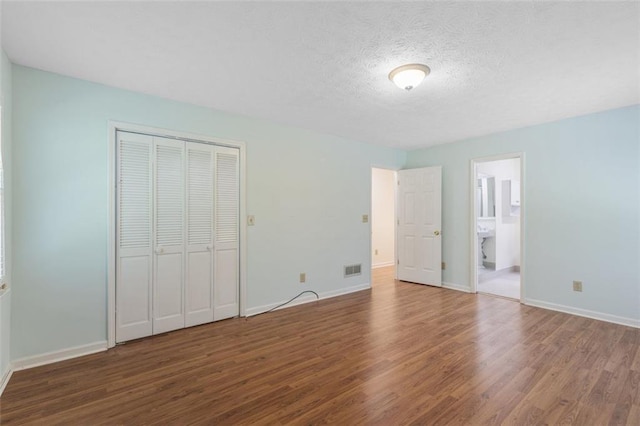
397	354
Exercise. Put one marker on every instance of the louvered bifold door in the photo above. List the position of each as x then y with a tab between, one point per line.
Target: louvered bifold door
226	232
134	237
169	250
199	265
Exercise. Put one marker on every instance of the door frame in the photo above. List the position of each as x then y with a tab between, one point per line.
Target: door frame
395	215
112	128
473	214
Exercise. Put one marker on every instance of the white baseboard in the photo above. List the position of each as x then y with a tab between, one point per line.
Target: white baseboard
383	264
55	356
457	287
630	322
5	380
306	298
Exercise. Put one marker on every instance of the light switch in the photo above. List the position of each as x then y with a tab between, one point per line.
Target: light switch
251	220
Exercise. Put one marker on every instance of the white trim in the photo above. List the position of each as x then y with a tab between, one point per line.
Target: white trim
629	322
61	355
5	380
457	287
306	298
243	229
473	247
396	257
370	223
111	236
383	264
113	127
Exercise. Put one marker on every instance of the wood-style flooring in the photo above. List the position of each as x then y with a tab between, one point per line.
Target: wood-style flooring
397	354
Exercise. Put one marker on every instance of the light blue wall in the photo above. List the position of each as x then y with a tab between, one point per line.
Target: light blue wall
5	301
582	212
306	190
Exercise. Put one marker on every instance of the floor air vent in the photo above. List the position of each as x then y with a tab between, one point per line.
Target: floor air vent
351	270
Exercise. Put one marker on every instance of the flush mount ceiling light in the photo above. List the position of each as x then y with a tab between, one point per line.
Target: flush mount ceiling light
409	76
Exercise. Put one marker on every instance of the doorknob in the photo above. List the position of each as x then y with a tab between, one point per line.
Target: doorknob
159	250
436	233
209	247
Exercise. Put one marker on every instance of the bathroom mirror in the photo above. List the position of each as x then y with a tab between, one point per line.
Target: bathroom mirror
487	196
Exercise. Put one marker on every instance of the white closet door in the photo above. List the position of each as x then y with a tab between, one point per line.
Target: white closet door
199	272
134	237
169	194
226	260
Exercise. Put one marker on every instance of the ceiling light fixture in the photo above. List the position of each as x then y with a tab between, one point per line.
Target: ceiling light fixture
409	76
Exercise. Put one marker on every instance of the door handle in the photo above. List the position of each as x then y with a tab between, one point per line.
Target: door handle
159	250
436	233
209	247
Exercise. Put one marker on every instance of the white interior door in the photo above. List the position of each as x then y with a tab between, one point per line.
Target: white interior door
226	253
134	243
169	195
419	225
199	268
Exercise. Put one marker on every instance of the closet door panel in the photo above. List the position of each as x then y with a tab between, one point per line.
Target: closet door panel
199	280
168	293
226	232
226	279
134	307
199	289
168	289
133	236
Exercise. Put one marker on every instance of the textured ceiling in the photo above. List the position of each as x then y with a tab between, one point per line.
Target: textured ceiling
324	65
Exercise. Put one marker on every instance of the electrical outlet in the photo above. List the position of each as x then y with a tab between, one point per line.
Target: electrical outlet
365	218
303	277
251	220
577	286
376	252
444	265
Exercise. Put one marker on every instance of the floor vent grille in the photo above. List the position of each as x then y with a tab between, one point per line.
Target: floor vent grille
351	270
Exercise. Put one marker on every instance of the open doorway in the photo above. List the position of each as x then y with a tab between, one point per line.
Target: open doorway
383	210
497	229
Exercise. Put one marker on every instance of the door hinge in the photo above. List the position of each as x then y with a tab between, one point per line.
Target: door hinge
398	221
398	261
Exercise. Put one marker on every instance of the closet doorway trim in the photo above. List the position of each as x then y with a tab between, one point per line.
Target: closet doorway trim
113	128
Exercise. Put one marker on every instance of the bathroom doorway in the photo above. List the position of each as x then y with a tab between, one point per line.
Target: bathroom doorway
497	226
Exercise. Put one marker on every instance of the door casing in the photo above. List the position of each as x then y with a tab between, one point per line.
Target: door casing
473	214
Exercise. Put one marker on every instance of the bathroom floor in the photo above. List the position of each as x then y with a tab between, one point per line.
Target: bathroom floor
505	285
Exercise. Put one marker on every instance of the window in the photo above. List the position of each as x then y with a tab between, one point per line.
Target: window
3	268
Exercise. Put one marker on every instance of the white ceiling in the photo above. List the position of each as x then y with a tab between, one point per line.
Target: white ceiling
324	65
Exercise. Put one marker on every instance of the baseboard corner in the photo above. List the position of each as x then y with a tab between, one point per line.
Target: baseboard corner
5	379
457	287
59	355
